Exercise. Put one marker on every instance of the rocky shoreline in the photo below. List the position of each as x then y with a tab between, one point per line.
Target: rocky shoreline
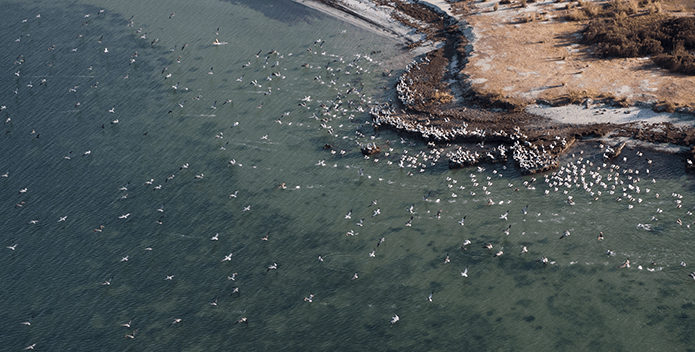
488	129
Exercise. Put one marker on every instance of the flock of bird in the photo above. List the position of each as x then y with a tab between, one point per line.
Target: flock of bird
588	179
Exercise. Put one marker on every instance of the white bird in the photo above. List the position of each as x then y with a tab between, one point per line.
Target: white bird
215	238
273	266
349	215
169	277
227	258
125	259
464	273
429	298
504	216
62	218
395	319
12	247
124	216
372	254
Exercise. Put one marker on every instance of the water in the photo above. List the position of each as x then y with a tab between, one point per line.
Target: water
53	278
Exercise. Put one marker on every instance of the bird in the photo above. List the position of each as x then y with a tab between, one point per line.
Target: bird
125	259
395	319
30	347
161	209
273	266
600	236
447	260
372	254
506	231
62	218
12	247
429	298
354	276
380	241
464	273
410	222
214	302
525	210
523	250
127	325
169	277
498	254
461	222
107	282
487	245
376	212
124	216
349	215
309	299
215	238
565	234
131	336
625	264
504	216
242	320
464	244
233	277
227	258
177	320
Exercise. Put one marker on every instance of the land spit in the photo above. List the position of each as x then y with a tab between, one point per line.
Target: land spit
438	103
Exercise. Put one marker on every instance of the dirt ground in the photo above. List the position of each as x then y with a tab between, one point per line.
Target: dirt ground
544	59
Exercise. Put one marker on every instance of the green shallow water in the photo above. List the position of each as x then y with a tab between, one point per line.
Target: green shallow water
53	278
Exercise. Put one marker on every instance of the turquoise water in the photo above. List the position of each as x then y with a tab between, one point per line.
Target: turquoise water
54	277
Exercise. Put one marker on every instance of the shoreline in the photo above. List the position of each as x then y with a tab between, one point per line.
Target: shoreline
439	105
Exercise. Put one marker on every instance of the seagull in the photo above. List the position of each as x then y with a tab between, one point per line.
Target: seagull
464	273
233	277
525	210
506	231
447	260
504	216
464	244
462	221
12	247
214	303
309	299
273	266
523	250
30	347
429	298
410	222
376	212
215	238
600	236
177	320
349	215
227	258
354	276
625	264
127	325
169	277
124	216
498	254
125	259
410	209
380	241
567	233
132	336
372	254
107	282
395	319
161	209
242	320
62	218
